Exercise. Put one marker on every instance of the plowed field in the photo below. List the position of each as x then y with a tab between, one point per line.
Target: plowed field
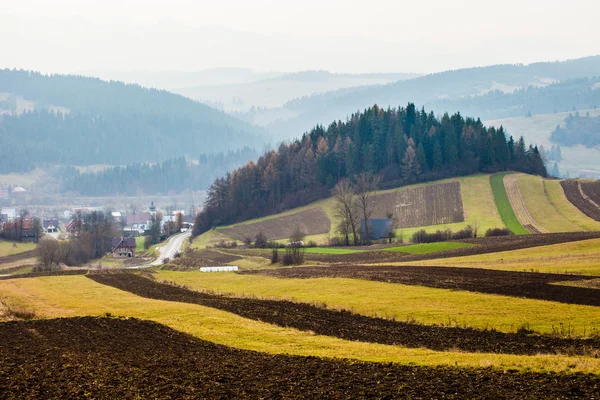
345	325
422	205
204	258
582	195
515	198
518	284
311	222
128	358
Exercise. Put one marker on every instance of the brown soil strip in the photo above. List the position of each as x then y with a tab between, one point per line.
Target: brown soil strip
349	326
203	258
422	205
127	358
52	273
311	222
517	284
17	257
575	193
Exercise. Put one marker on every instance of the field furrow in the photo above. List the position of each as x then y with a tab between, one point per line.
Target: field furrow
576	195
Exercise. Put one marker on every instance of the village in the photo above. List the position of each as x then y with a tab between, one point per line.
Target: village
24	224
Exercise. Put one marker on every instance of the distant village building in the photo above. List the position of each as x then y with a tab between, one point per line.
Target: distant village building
51	225
123	247
116	215
139	221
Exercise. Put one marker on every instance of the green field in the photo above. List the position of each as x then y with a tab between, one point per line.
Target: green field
427	248
11	248
503	204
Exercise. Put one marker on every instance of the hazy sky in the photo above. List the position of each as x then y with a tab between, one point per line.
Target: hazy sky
337	35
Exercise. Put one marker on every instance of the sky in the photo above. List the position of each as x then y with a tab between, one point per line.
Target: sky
268	35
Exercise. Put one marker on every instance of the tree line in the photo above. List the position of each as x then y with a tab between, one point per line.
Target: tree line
173	175
402	146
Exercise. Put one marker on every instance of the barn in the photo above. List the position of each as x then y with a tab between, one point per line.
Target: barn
123	247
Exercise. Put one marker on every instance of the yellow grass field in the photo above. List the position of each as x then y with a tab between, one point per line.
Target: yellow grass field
581	257
549	207
53	297
401	302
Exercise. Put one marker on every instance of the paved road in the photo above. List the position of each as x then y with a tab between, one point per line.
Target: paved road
172	247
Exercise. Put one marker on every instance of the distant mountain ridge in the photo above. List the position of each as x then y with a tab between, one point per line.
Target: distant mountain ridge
109	122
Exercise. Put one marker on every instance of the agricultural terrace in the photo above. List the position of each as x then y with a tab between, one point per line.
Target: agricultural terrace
503	204
471	203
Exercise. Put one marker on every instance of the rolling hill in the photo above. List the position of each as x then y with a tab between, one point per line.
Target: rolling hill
489	92
66	119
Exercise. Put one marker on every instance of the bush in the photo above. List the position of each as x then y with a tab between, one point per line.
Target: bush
166	260
247	240
177	254
466	233
441	236
498	232
311	243
226	245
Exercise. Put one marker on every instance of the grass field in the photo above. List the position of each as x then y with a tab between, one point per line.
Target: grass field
139	244
503	204
539	206
401	302
10	248
571	258
53	297
427	248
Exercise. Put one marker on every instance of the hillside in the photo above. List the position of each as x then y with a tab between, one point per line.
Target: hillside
401	146
541	203
101	122
496	92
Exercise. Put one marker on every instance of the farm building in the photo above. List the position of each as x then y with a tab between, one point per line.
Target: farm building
123	247
379	228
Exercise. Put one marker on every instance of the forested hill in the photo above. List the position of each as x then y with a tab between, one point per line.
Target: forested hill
403	146
106	122
578	130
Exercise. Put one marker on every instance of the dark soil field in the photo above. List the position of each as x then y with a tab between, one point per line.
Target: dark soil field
517	284
17	257
345	325
576	194
422	205
311	222
51	273
203	258
119	358
483	245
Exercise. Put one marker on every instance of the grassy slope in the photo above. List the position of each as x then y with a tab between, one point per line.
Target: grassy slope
427	248
478	204
53	297
572	258
402	302
503	204
7	248
543	205
557	197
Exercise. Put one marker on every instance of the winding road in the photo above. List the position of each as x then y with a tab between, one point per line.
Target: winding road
171	247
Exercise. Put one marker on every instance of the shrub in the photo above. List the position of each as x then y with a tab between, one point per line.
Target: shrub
498	232
226	245
166	260
247	240
311	243
466	233
177	255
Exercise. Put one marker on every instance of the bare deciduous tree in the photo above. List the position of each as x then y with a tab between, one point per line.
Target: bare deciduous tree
345	210
366	190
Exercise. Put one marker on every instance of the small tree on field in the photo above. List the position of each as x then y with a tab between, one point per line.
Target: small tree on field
346	211
49	255
365	189
260	241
